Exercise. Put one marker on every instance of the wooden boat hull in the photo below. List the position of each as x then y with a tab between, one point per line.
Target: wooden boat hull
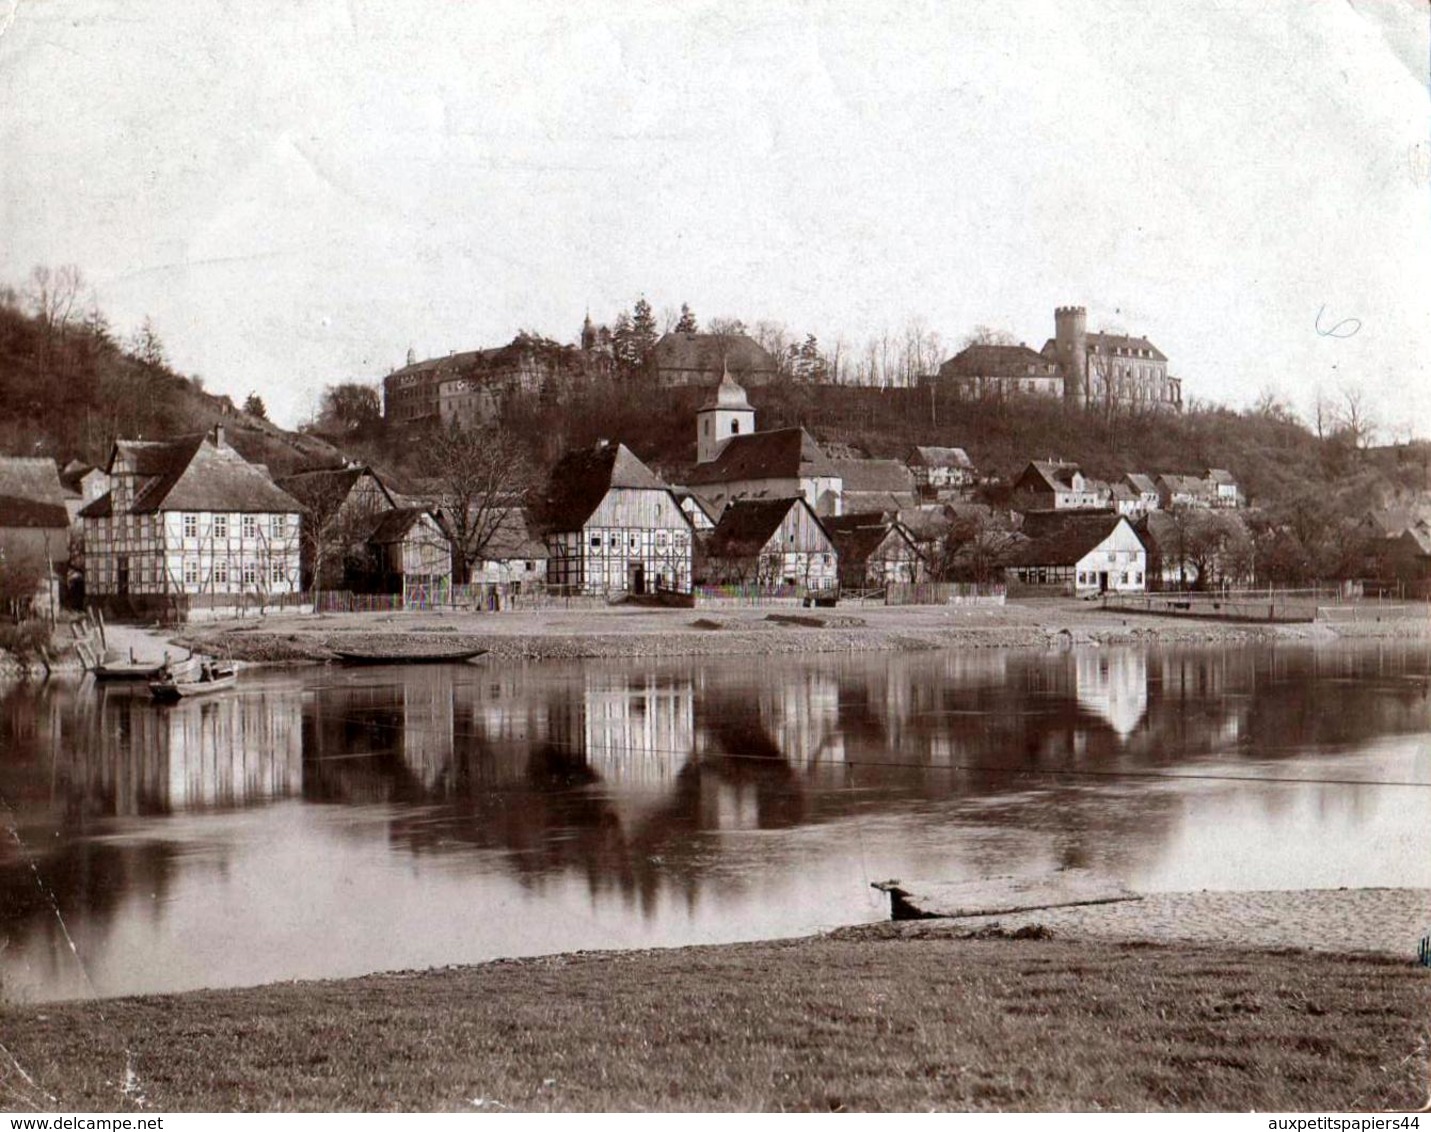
171	690
114	673
407	658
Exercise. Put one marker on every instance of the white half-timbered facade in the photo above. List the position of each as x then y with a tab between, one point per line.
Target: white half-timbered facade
772	542
611	525
189	524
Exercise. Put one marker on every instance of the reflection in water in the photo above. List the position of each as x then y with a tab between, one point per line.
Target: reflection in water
326	824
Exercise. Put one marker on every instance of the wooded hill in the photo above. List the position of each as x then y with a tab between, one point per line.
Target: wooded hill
69	388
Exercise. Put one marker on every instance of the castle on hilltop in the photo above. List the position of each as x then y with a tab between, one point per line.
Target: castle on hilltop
1099	369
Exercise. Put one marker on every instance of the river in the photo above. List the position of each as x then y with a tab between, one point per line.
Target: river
325	822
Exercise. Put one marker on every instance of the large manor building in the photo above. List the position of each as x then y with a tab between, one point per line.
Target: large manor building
1082	368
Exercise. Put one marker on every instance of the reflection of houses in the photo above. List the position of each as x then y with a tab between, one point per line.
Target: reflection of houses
1113	684
34	529
200	754
639	728
873	551
771	542
189	523
1080	553
613	526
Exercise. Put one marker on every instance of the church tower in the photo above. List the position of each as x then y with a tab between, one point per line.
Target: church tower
727	413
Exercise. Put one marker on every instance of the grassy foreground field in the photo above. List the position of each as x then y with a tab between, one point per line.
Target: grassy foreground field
859	1020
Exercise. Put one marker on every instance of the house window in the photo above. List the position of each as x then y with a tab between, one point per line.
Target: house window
276	572
734	427
191	572
221	572
249	526
191	527
635	542
661	538
596	541
278	526
250	574
529	566
221	526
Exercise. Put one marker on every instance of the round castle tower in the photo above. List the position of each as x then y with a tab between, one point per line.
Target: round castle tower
1070	340
727	413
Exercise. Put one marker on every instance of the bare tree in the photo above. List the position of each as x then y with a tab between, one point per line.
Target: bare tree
478	480
983	335
1358	425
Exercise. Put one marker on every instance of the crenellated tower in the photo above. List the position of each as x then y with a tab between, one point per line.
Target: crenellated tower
1070	338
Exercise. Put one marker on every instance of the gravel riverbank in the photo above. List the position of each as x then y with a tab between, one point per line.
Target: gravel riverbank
622	632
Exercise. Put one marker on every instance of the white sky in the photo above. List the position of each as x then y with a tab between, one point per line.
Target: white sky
298	192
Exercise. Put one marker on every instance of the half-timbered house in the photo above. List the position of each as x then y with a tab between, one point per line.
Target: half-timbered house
772	542
339	506
874	550
611	525
189	524
34	531
1080	553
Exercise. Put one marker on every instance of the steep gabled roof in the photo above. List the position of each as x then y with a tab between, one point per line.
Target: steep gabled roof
857	537
327	488
747	525
1141	483
191	473
394	526
926	456
875	475
1062	538
984	360
782	453
1221	476
712	353
581	479
513	538
31	494
1054	475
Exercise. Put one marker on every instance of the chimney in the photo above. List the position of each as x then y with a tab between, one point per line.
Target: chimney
218	436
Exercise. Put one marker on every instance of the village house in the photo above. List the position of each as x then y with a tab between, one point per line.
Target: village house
874	551
689	358
1177	492
514	559
189	524
34	533
611	525
938	470
1145	489
772	542
875	485
1225	492
339	505
407	549
1080	553
83	483
1052	485
703	517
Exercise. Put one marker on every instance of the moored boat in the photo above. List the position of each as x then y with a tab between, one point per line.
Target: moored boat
206	677
455	656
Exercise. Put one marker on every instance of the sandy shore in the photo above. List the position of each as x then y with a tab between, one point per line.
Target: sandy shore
628	632
1379	921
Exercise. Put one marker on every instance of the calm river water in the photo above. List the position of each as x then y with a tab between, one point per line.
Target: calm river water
328	822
